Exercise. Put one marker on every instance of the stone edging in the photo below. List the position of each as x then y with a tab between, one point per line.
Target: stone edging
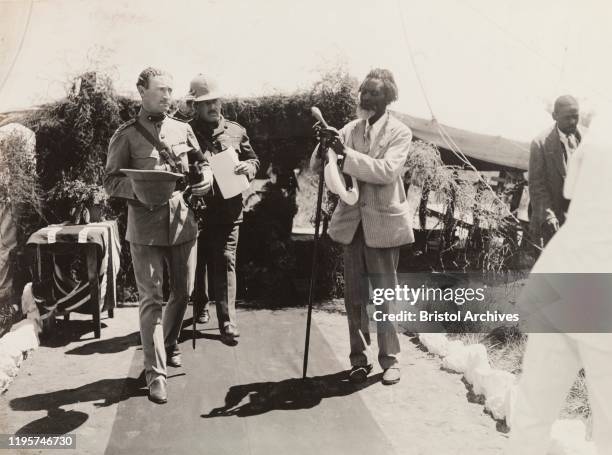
499	389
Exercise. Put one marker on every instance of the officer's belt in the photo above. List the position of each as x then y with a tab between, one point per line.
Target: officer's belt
149	207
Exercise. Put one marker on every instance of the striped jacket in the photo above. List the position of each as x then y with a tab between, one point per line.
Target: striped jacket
382	208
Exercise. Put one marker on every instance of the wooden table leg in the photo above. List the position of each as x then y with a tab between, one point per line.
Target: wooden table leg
94	285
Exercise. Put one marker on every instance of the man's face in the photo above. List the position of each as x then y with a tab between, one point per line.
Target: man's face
567	118
372	96
156	98
209	110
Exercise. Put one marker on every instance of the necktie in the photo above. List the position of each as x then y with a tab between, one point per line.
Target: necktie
366	135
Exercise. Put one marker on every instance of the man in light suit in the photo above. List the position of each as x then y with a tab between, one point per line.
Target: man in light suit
373	149
548	167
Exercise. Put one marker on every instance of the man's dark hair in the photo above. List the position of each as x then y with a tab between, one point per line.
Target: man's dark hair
146	75
389	85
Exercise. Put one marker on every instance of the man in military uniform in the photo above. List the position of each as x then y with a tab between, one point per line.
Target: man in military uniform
219	238
157	233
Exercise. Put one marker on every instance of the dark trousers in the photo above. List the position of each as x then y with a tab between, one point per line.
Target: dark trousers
216	270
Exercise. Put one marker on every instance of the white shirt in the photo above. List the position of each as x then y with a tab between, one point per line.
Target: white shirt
371	131
565	140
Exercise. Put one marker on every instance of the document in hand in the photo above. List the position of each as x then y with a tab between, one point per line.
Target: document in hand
222	165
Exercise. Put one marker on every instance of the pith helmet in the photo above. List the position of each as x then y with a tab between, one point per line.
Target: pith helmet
152	187
203	88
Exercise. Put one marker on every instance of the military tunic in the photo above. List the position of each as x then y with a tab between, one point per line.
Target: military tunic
157	234
169	224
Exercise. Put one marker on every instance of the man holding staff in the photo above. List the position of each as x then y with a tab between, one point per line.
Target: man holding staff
373	150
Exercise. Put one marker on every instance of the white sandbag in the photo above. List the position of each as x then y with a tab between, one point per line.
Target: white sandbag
436	343
478	359
568	438
5	380
23	336
457	358
510	403
6	348
478	376
29	307
8	365
497	385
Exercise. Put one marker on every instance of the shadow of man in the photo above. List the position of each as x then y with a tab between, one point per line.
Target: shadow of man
289	394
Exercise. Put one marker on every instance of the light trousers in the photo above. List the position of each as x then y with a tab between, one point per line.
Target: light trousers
365	266
160	332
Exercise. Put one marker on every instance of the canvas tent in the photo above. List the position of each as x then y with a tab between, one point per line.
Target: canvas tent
484	151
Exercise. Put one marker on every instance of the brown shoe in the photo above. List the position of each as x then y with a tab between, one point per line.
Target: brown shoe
359	374
202	314
157	391
229	334
391	376
173	358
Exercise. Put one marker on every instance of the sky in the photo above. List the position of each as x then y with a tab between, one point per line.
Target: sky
491	66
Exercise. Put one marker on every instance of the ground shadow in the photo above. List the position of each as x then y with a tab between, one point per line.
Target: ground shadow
64	332
112	391
60	421
289	394
109	346
57	421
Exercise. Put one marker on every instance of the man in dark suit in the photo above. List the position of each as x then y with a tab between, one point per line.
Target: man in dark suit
547	169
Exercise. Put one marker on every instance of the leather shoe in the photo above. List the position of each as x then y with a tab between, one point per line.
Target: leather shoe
157	391
229	334
202	314
359	374
173	359
230	330
391	376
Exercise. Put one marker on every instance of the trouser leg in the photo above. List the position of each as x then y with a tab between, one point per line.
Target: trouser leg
596	359
201	290
148	270
356	300
381	265
550	366
181	267
225	243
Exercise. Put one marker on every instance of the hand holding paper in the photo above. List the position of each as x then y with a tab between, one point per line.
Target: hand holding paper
225	166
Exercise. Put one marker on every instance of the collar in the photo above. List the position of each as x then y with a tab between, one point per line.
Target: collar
214	132
152	118
564	138
376	127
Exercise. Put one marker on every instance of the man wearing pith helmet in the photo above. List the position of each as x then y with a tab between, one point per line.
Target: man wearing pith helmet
218	240
145	155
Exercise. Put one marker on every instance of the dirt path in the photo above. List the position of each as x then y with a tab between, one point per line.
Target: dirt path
78	386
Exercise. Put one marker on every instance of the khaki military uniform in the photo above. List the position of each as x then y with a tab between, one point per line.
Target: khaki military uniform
157	234
218	241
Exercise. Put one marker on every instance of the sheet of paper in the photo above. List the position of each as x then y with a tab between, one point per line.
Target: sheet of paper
222	165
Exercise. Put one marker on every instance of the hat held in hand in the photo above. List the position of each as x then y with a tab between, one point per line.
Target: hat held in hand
152	187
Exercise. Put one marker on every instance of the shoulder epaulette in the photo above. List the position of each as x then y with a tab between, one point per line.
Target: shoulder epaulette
235	123
125	125
179	117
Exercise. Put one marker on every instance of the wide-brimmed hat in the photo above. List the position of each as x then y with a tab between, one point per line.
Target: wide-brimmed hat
203	88
152	187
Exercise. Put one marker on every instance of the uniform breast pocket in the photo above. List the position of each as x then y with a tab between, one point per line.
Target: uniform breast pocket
180	152
231	141
145	157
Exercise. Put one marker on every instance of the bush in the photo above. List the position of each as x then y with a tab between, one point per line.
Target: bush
72	143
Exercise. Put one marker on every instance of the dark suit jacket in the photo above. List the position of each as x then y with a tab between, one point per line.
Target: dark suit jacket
547	170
